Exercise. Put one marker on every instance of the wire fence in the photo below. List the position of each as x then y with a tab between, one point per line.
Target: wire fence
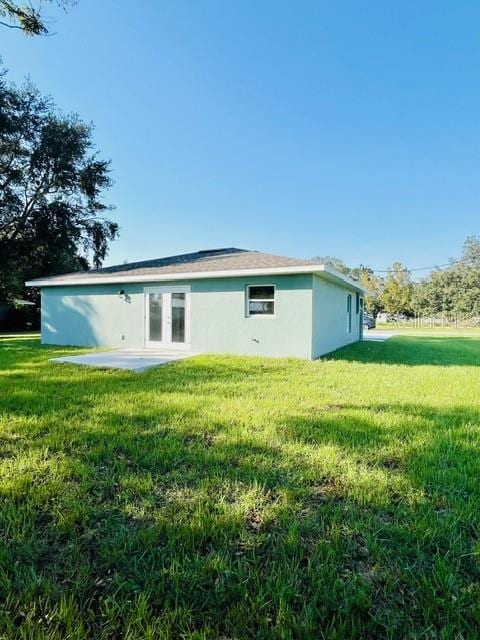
454	320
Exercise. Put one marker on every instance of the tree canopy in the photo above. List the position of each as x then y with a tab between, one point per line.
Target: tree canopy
397	291
454	290
52	215
28	17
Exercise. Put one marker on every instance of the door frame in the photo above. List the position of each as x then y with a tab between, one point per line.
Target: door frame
166	318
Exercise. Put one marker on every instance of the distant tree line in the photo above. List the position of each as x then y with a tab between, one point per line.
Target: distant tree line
454	290
451	291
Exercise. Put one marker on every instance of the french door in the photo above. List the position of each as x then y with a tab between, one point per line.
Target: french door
167	317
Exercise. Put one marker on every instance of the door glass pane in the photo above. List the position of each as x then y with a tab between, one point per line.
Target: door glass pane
155	309
178	317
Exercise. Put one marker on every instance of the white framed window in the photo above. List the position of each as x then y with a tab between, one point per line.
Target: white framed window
349	312
260	300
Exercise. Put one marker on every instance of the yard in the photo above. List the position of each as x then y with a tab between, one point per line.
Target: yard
230	498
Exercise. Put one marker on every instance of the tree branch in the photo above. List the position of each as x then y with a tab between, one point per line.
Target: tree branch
11	26
41	190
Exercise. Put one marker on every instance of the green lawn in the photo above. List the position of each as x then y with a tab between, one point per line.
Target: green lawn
230	498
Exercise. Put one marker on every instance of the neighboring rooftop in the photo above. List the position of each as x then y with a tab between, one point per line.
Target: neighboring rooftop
205	263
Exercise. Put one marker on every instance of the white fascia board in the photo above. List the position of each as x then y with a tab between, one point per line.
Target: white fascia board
58	281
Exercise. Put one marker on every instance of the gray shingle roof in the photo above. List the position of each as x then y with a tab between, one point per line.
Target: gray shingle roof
226	259
212	263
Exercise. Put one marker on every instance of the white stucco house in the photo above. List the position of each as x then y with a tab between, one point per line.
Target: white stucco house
214	301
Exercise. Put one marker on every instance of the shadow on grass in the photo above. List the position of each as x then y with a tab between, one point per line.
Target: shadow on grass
132	506
414	351
234	538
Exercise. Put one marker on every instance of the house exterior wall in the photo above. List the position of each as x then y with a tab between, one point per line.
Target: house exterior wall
329	316
96	316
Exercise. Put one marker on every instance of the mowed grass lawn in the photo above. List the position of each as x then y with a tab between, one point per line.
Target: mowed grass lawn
227	498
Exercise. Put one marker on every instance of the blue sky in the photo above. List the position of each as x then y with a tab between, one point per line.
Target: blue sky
299	128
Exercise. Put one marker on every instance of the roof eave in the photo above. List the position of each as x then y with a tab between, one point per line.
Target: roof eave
337	275
319	269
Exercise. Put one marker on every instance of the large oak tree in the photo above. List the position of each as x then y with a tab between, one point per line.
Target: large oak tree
52	214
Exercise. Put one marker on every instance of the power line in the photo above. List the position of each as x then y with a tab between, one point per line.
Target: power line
434	266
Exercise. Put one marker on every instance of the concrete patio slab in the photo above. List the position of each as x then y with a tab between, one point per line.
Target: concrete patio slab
131	360
376	336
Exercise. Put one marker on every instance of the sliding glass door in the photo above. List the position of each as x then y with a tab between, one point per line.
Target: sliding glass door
167	320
